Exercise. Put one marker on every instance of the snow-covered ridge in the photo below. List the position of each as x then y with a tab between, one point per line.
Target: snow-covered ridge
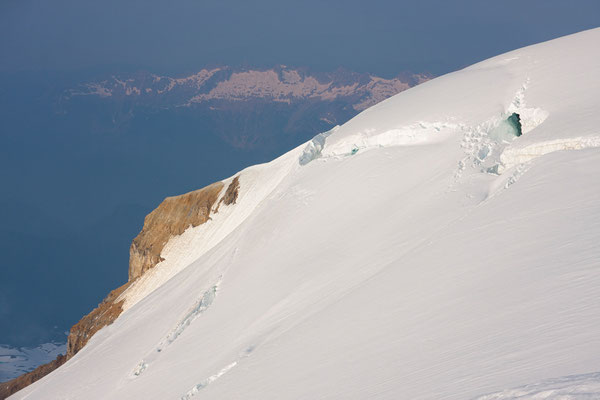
442	244
482	125
280	84
256	183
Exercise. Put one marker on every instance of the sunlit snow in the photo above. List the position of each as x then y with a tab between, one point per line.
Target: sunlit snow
423	250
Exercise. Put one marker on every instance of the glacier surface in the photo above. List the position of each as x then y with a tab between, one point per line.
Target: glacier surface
411	253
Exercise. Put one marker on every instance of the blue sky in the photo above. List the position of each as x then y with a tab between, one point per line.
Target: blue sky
377	36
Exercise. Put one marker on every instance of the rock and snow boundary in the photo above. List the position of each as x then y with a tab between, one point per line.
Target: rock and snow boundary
440	245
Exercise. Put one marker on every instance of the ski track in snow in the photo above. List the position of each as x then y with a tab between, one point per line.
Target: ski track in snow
196	389
573	387
208	381
196	311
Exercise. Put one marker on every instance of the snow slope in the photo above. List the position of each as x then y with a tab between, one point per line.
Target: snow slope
420	251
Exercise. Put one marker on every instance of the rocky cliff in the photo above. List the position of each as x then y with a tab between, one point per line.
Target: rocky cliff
171	218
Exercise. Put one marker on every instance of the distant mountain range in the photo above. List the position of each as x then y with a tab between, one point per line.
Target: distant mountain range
280	84
229	100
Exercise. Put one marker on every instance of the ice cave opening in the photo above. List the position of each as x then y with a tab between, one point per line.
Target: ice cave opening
515	122
507	130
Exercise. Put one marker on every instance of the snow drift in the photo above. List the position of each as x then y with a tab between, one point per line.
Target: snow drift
426	249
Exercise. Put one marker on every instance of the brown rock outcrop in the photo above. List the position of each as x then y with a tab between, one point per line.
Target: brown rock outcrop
101	316
231	194
171	218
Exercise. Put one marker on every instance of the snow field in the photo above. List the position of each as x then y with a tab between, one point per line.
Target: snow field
386	260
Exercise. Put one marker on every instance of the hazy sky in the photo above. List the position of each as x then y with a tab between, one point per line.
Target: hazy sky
378	36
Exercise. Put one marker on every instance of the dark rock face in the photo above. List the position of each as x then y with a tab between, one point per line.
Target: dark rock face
231	194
